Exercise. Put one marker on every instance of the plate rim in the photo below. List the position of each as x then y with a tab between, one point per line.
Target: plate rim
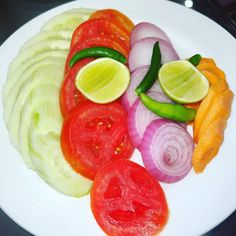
66	6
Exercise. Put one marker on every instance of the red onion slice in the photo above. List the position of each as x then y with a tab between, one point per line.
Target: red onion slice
145	30
129	97
141	53
139	117
167	150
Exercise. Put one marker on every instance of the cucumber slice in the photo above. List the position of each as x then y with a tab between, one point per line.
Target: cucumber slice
59	174
49	74
26	77
41	59
36	49
39	96
68	20
46	120
50	164
31	104
48	35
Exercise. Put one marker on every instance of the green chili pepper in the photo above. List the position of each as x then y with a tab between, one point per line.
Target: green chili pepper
151	75
97	52
195	59
170	111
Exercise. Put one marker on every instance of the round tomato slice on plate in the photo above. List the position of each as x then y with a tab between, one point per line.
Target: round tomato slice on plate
100	27
69	94
114	16
93	135
127	201
97	40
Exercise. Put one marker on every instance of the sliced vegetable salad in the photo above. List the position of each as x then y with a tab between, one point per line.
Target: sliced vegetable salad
89	89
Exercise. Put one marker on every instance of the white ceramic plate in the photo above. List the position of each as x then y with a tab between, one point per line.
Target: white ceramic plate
197	204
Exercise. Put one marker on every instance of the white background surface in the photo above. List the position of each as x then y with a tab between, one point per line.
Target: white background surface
197	203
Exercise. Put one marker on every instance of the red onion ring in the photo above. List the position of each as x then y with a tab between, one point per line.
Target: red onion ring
129	97
139	117
141	53
145	30
167	150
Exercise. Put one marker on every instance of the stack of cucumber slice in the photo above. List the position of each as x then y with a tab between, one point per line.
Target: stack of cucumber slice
31	102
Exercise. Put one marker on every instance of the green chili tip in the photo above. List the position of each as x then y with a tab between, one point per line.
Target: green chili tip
195	59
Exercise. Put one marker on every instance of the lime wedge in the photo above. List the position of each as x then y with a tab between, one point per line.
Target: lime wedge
103	80
183	82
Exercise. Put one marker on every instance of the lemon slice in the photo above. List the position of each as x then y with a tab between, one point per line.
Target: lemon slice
103	80
183	82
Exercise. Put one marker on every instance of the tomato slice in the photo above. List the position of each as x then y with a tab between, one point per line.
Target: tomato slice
127	201
97	40
93	135
100	27
114	16
69	95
